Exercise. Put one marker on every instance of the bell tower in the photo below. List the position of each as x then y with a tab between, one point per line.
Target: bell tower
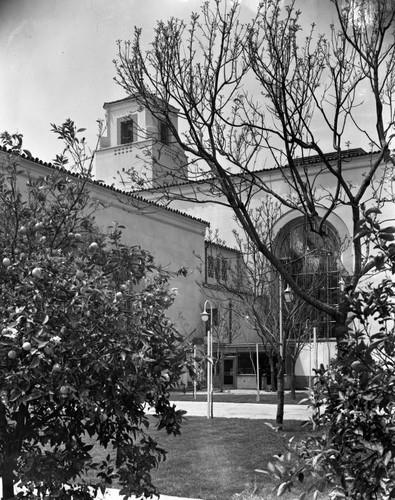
138	146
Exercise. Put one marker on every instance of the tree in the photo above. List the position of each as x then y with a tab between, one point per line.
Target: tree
352	453
85	345
258	294
308	90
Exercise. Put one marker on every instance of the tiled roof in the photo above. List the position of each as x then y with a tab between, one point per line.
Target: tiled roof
106	186
307	160
135	96
220	245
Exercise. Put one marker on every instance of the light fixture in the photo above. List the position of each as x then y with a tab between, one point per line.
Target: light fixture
288	295
205	316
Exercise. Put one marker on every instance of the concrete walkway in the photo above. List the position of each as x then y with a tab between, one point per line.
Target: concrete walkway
243	410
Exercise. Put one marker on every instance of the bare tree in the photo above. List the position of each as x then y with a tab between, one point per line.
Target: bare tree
310	88
257	291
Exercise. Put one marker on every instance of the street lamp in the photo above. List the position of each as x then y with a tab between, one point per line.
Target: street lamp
288	297
205	316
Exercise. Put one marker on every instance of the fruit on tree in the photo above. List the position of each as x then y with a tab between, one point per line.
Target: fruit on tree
6	262
26	346
79	274
37	272
12	354
93	246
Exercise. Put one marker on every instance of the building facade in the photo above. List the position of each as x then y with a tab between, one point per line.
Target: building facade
166	179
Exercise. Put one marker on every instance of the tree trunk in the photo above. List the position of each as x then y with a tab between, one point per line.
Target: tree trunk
272	374
293	379
8	474
280	393
221	373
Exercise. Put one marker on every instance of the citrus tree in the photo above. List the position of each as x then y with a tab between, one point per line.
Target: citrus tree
85	345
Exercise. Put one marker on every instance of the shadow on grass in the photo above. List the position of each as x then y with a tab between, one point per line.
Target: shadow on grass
216	459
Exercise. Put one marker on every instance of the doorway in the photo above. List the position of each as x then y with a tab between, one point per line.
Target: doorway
230	372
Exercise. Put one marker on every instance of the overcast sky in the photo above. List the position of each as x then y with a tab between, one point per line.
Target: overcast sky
56	59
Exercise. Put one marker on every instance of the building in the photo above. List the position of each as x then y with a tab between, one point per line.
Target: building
164	171
139	167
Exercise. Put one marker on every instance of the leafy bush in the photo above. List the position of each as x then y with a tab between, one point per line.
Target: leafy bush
85	345
354	399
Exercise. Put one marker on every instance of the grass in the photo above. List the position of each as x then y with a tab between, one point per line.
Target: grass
216	459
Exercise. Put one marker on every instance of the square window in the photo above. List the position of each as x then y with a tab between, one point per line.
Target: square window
128	131
164	133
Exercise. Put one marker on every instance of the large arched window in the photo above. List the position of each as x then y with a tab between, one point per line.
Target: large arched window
314	261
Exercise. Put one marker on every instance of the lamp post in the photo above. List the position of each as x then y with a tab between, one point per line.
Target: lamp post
205	316
288	297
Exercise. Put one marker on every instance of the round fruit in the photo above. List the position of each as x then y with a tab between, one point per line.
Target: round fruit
26	346
48	351
124	287
23	229
78	236
93	246
79	274
64	390
38	226
6	262
22	256
119	295
71	235
37	272
56	368
12	354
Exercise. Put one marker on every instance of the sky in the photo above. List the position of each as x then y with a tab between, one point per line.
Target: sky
56	59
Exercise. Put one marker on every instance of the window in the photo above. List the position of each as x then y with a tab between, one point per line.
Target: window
217	268
210	266
128	132
224	270
164	133
314	262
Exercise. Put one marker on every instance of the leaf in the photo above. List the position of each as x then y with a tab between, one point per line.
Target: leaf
386	236
261	471
389	229
387	457
283	488
373	210
361	234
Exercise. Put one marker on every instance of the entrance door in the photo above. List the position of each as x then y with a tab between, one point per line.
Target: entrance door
229	372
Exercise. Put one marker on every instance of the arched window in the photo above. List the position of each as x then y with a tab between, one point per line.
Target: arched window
314	262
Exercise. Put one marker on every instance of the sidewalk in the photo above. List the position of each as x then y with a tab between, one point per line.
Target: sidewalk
111	494
244	410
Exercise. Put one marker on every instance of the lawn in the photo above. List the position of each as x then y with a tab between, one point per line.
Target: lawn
215	459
